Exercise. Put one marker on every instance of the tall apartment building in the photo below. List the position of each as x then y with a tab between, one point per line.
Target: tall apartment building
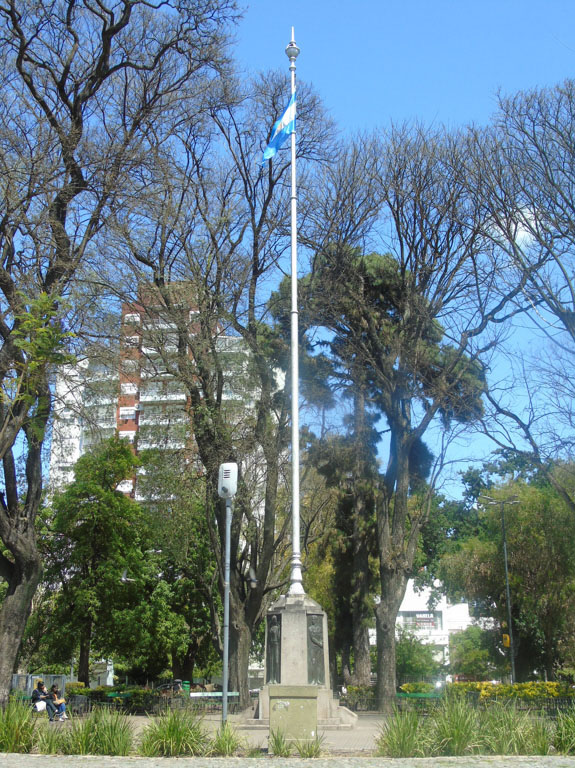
138	395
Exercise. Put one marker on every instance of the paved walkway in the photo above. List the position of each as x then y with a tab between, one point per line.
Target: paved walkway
64	761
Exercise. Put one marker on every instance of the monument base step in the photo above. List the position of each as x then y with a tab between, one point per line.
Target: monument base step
330	724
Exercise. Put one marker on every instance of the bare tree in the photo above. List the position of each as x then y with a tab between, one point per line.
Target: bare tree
417	319
86	89
211	239
524	174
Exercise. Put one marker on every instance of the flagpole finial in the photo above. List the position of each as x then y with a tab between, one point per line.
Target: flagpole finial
292	51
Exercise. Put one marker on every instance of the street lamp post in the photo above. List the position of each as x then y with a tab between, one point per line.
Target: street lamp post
502	503
227	487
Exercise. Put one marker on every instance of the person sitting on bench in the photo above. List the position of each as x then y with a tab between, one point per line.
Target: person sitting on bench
58	702
41	700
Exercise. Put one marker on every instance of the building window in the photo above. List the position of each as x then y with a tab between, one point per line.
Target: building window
129	366
128	435
128	388
128	412
132	318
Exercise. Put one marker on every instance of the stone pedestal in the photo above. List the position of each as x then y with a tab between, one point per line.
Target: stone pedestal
297	654
293	711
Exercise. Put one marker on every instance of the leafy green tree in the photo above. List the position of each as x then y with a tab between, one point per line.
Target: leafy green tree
345	464
473	653
179	530
540	533
404	365
97	539
414	660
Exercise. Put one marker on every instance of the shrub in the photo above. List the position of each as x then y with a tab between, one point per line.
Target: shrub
74	689
417	688
359	697
174	733
525	691
505	730
49	740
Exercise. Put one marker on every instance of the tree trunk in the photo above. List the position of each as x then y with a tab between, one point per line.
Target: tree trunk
183	665
363	509
239	656
345	665
22	583
393	586
362	658
84	657
359	608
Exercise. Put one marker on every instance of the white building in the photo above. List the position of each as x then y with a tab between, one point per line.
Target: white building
432	627
138	395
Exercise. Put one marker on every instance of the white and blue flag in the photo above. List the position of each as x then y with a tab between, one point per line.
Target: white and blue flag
281	130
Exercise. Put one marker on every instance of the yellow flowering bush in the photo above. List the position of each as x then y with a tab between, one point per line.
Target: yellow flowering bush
417	688
533	690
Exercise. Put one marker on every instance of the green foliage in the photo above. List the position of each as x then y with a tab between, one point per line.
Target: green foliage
309	748
75	688
540	533
454	728
102	732
506	731
97	533
17	727
400	735
173	734
49	740
360	697
565	732
472	653
279	746
418	688
500	691
225	743
413	658
38	333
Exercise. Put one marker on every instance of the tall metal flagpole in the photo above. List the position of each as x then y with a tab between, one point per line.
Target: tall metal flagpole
296	585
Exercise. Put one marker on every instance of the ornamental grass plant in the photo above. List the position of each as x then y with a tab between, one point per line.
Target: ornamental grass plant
278	745
453	729
564	740
505	730
102	732
17	727
174	733
400	735
309	748
225	743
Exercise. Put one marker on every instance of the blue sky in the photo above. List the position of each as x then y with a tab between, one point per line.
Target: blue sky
438	61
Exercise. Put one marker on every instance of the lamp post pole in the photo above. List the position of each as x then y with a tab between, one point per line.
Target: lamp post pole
227	487
507	593
502	503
